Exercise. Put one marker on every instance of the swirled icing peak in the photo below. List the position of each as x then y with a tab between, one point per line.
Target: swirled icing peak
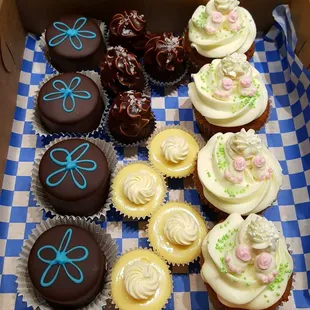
226	5
141	280
234	66
175	149
263	234
181	228
139	188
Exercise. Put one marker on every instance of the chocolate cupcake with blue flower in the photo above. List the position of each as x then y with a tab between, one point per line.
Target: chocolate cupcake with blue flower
72	177
66	264
69	103
74	43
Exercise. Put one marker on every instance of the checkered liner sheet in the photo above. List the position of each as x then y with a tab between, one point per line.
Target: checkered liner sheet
286	134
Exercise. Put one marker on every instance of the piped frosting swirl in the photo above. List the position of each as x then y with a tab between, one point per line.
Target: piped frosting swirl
175	149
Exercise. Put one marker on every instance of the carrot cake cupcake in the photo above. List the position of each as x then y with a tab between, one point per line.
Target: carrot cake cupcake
237	173
219	29
246	264
228	95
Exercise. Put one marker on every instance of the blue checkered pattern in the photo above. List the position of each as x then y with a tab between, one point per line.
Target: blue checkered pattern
286	134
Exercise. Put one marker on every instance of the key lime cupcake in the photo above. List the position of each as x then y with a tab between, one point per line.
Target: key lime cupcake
246	264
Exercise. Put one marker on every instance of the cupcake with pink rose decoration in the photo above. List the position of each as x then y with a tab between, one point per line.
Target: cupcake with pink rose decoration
235	172
246	264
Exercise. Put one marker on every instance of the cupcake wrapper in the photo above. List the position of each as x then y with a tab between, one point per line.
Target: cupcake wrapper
158	252
166	84
118	168
44	47
39	128
198	139
39	193
140	248
24	284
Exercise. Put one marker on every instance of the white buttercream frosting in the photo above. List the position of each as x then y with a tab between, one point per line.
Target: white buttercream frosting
141	280
229	92
228	169
221	28
139	188
181	228
175	149
242	275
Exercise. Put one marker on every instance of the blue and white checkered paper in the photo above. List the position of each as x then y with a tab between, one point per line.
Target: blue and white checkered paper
286	134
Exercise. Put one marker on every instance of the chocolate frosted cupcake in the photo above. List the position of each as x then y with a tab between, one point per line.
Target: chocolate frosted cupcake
246	264
229	94
131	118
219	29
164	59
120	71
128	29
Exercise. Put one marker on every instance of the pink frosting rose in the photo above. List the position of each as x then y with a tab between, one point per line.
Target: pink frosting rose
233	17
227	83
239	164
259	161
246	82
243	253
217	17
264	261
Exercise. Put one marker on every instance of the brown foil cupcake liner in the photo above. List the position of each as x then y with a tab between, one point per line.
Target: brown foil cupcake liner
145	249
43	45
158	252
39	193
207	130
119	167
25	287
159	129
40	129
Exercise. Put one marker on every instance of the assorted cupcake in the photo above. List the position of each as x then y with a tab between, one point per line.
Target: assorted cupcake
173	151
69	103
228	95
176	232
137	190
120	71
74	43
236	173
164	59
141	280
131	119
72	177
246	264
219	29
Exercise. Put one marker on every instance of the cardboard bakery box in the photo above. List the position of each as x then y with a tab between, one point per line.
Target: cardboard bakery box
169	15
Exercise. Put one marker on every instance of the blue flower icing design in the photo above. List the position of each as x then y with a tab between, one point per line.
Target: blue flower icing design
71	165
72	33
61	259
67	91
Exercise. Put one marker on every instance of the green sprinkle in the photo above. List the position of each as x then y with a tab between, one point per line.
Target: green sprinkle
278	294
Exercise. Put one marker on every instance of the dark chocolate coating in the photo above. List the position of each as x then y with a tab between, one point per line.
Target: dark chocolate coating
131	118
64	293
67	198
120	71
86	115
164	57
128	29
65	58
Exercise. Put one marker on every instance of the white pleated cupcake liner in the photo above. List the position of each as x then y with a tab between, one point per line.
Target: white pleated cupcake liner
40	129
200	141
121	166
25	287
158	252
146	249
40	195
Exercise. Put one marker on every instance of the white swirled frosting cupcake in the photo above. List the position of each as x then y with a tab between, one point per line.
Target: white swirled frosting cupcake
237	173
219	29
246	264
140	280
176	231
138	190
173	151
229	94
